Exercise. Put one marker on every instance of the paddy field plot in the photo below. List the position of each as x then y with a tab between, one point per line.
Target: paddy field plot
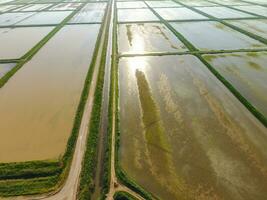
147	37
247	72
231	2
15	42
46	17
95	6
178	14
7	19
38	104
209	35
259	10
33	7
223	12
184	135
66	6
131	4
136	15
5	8
158	4
197	3
89	14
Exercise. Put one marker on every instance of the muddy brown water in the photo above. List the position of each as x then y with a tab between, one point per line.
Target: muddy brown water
15	42
38	104
210	146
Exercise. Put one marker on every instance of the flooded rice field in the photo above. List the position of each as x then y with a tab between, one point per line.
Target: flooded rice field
258	27
158	4
88	16
184	135
223	12
90	13
38	104
204	35
66	6
131	4
136	15
12	18
230	2
95	6
16	42
33	7
259	10
4	68
46	18
197	3
247	72
148	37
178	14
5	8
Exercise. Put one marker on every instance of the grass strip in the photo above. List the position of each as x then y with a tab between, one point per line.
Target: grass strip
30	169
121	195
86	185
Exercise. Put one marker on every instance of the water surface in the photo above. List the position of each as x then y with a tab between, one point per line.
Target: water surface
38	104
15	42
204	36
151	37
178	14
185	136
247	72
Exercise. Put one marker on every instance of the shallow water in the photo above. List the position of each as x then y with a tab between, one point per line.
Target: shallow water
204	36
66	6
157	4
259	10
258	27
131	4
12	18
46	18
231	2
4	68
247	72
16	42
38	104
223	12
197	3
5	8
178	14
34	7
184	135
88	16
152	37
132	15
95	6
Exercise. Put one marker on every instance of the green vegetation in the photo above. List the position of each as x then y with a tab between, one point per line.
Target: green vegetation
86	186
123	196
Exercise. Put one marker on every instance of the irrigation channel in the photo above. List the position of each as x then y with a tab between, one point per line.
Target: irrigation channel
171	112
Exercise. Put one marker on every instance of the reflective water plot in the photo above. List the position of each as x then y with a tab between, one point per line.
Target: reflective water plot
183	133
